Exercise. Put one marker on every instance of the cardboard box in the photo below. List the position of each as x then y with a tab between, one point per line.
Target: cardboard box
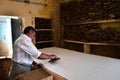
39	74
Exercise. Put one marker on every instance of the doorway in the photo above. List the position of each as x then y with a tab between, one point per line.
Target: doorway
10	30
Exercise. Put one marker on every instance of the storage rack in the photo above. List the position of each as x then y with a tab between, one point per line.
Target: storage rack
91	22
87	46
84	12
44	32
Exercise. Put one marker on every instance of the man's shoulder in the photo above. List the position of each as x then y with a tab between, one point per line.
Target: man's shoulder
19	40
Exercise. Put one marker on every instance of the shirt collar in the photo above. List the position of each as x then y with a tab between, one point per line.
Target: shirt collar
26	37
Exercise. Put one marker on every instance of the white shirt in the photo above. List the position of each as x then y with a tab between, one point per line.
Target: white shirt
24	50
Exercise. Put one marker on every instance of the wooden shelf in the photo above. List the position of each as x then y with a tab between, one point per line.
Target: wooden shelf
99	21
44	32
92	43
87	45
44	29
44	41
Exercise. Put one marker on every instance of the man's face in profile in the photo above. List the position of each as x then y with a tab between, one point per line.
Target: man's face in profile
32	34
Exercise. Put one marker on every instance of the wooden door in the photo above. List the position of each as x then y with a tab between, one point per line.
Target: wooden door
16	29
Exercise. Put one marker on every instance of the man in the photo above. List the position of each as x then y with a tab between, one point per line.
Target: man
23	53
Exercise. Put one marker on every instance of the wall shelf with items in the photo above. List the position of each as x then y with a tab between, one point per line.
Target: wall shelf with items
91	25
44	32
85	10
91	38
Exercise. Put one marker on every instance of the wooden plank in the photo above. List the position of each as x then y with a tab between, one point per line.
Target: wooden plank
44	29
90	22
92	43
44	41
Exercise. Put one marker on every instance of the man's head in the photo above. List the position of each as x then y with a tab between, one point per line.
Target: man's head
30	32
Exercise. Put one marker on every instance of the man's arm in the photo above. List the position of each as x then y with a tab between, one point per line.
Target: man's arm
44	56
30	49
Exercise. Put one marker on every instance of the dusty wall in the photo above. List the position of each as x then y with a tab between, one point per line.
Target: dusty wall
25	10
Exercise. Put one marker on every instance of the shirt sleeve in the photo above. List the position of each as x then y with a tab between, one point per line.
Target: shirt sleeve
30	49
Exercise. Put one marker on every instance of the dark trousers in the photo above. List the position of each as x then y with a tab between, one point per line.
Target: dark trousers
17	68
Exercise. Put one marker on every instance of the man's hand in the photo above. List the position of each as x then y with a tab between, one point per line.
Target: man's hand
44	56
37	66
53	56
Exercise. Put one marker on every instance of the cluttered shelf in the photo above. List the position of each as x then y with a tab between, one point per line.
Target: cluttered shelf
91	26
93	22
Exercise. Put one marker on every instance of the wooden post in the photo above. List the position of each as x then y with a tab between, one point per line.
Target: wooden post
87	48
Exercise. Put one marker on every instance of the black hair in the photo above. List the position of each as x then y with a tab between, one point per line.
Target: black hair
27	29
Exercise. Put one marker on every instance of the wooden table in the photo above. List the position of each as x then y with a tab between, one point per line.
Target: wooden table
80	66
